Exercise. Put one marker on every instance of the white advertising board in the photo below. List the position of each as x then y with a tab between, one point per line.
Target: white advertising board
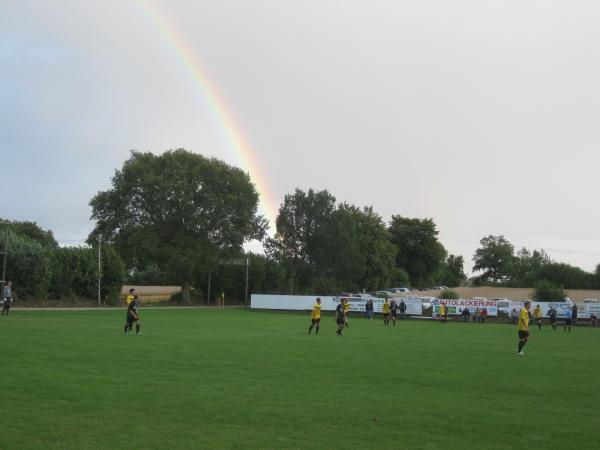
414	305
561	308
585	310
455	307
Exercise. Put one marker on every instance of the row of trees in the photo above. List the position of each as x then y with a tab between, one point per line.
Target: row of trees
500	264
326	247
42	270
176	218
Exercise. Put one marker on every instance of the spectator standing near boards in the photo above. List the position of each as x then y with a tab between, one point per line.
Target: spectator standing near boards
568	320
553	317
369	309
402	309
7	294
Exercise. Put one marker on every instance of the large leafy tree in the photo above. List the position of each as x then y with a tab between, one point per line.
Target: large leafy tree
452	272
495	258
527	267
301	239
360	253
420	253
179	211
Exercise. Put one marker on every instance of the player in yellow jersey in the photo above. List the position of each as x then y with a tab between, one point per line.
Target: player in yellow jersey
346	311
131	296
538	314
523	327
443	313
386	312
315	317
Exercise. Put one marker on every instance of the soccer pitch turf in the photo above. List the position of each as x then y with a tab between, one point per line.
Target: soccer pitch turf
241	379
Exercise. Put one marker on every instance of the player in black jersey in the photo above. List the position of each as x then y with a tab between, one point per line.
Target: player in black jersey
133	316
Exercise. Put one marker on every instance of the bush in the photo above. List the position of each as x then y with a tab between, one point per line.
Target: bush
546	291
75	273
449	294
28	267
113	275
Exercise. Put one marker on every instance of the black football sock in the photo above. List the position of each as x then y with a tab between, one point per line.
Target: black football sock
317	330
137	329
310	328
520	347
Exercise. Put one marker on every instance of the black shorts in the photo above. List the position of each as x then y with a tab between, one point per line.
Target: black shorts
568	321
394	315
131	319
553	320
316	320
523	334
386	315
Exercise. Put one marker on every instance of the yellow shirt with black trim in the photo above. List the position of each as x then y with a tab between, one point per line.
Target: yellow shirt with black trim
523	320
130	299
316	311
346	307
442	310
537	313
386	308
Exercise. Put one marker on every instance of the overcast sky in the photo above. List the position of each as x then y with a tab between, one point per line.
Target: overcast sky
483	115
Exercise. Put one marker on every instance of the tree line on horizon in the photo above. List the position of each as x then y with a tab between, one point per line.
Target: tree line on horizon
178	217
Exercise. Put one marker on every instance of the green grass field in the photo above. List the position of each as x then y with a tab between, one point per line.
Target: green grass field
240	379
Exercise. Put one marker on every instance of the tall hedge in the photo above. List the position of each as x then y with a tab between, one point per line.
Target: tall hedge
29	266
40	271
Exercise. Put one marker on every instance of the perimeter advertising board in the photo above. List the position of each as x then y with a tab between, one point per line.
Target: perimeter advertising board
455	307
414	305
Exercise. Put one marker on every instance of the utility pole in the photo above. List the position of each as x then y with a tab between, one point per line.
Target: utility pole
247	266
99	271
5	254
208	298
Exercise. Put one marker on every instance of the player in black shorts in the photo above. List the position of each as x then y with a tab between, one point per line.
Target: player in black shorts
340	317
132	316
553	317
394	312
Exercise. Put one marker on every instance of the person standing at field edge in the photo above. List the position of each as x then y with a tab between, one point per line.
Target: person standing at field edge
7	293
315	317
340	317
523	327
369	309
574	312
537	313
402	309
568	320
386	312
553	316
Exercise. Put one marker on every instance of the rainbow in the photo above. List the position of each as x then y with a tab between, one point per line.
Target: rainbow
209	94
